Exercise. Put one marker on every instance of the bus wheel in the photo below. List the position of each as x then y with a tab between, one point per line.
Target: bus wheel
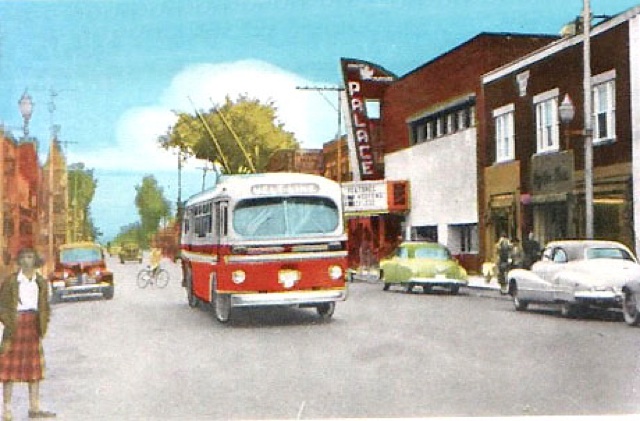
192	300
222	307
325	310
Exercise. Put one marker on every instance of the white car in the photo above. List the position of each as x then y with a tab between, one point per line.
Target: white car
631	302
576	274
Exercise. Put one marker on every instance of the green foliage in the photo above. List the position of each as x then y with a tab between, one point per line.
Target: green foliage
131	233
240	135
152	207
81	189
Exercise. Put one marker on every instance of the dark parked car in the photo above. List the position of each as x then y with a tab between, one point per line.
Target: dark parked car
80	270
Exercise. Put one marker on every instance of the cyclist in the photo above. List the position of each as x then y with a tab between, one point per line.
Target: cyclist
154	260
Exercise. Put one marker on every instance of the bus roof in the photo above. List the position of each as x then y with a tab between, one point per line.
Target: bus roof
244	185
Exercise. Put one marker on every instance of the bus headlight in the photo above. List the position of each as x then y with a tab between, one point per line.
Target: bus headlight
335	272
238	276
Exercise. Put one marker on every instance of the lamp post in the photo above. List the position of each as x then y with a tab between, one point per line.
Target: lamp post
26	109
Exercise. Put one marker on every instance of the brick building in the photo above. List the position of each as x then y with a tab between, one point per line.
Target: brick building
335	158
19	186
532	177
428	129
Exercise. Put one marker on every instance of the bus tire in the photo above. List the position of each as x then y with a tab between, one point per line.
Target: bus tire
325	310
192	300
222	307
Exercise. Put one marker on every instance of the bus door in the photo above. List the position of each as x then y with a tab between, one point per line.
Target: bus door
221	230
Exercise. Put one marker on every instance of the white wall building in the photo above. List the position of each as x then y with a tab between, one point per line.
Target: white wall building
443	177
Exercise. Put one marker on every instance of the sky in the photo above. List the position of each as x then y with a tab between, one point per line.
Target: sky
112	73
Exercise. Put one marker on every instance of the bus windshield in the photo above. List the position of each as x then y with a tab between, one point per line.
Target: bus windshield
285	216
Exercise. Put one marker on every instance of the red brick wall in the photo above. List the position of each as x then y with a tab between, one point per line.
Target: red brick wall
448	76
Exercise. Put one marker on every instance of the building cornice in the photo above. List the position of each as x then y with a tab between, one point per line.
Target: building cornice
557	46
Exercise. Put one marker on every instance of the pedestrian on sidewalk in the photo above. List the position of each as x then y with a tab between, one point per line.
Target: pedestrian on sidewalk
24	312
531	251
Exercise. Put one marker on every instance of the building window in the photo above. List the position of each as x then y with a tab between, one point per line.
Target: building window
372	107
442	122
439	126
463	119
604	107
467	238
547	131
505	134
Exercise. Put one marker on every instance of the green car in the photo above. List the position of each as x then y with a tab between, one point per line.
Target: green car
130	252
425	264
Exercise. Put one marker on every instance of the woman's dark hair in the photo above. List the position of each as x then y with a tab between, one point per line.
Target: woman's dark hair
37	260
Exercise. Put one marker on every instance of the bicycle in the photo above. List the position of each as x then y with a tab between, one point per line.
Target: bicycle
148	276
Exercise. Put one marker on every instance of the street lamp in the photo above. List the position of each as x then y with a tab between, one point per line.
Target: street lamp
26	109
567	111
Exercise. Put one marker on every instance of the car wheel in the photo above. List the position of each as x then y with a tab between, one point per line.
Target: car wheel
108	293
630	309
192	300
519	304
455	289
569	310
325	310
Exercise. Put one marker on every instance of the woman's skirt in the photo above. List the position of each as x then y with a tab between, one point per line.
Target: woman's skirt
23	359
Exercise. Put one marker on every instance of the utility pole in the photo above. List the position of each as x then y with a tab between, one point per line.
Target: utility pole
320	90
588	131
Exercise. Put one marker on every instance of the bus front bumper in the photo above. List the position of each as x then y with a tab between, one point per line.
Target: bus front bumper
301	298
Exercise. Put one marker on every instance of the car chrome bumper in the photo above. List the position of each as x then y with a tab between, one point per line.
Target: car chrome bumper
598	297
288	298
81	289
438	281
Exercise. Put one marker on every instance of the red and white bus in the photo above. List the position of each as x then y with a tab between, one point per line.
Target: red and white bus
265	239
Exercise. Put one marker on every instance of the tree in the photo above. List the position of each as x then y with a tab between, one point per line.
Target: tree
241	136
152	207
81	190
129	234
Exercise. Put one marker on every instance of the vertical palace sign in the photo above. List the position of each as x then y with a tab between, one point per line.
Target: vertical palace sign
365	83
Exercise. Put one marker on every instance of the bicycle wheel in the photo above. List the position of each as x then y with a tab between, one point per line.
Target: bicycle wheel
162	278
144	278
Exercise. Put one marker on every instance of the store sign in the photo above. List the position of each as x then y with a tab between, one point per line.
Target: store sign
363	81
365	196
552	173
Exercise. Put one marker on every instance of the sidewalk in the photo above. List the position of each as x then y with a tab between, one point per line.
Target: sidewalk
475	281
478	281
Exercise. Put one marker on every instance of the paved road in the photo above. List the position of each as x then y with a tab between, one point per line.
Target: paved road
147	355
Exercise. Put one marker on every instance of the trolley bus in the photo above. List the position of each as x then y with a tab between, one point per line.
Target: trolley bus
265	239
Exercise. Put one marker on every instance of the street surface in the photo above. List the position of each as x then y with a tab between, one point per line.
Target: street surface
146	355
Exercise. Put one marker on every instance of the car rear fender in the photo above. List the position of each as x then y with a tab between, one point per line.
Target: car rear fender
527	282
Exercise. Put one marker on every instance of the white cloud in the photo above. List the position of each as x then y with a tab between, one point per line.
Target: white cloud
310	116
